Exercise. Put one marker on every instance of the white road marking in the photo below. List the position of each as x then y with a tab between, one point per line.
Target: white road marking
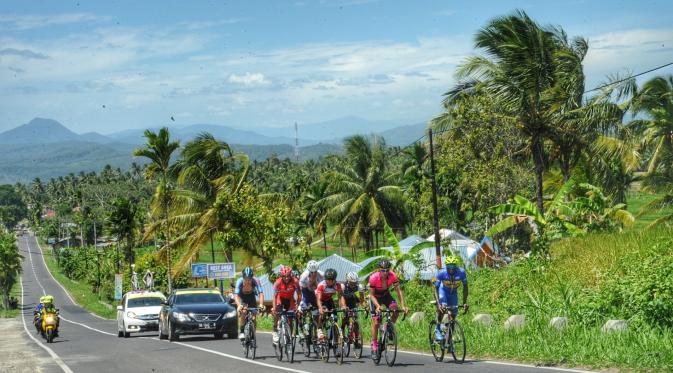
114	335
51	352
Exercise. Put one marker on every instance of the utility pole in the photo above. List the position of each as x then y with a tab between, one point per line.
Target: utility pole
296	143
435	215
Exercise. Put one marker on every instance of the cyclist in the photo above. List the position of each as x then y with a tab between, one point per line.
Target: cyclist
446	291
325	297
246	291
380	283
308	281
285	288
353	295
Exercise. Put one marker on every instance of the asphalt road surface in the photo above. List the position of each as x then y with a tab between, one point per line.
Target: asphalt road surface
88	343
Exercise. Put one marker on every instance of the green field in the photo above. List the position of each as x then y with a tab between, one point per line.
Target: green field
637	201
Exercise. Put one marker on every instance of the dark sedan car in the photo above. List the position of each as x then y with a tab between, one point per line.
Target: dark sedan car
197	311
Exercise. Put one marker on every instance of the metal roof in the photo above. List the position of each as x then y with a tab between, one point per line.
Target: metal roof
340	264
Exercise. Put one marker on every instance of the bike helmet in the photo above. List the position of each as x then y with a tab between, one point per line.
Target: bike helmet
312	266
42	299
352	277
451	260
330	274
247	272
384	263
48	299
285	271
295	273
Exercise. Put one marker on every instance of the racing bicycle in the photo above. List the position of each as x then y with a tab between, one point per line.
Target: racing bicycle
286	336
334	340
454	338
387	338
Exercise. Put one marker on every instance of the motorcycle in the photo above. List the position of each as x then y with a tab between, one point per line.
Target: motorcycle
49	328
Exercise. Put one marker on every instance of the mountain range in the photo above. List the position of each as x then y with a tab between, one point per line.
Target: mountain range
45	148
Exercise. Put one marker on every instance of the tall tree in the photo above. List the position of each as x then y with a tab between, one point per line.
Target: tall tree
10	265
123	224
159	149
520	70
363	193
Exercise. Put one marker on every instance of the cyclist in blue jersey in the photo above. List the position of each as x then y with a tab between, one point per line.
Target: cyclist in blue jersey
247	290
446	291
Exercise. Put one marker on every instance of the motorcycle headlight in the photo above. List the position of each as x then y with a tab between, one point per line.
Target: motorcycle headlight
49	319
230	314
131	315
181	316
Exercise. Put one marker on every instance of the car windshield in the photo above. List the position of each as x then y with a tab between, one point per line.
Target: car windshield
144	302
189	298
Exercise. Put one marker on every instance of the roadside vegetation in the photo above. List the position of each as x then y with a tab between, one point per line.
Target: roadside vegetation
573	184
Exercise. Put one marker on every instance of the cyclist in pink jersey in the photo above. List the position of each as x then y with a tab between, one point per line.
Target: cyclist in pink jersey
380	283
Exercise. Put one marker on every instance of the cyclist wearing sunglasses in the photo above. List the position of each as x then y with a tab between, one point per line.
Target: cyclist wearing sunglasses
380	283
446	290
308	281
285	289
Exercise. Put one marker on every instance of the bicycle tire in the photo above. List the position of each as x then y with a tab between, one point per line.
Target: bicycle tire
457	342
437	348
252	341
390	340
346	332
338	344
278	347
358	342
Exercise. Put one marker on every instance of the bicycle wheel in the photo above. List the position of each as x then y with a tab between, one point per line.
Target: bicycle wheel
457	346
323	348
357	340
252	341
289	347
390	340
346	332
278	347
437	347
337	344
308	338
376	356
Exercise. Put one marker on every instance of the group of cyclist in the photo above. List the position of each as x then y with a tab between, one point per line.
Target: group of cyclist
321	293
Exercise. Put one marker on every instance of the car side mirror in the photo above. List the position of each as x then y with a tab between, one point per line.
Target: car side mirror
120	308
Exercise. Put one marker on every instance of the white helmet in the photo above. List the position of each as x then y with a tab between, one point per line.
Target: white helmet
312	266
352	277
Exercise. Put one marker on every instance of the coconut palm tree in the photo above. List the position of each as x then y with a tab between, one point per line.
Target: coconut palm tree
362	193
521	70
123	224
159	149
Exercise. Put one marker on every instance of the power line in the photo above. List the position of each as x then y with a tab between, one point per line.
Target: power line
585	92
630	77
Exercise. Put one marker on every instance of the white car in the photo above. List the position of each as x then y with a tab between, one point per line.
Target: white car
139	312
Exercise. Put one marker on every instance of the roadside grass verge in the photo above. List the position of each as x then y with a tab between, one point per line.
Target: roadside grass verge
81	292
15	293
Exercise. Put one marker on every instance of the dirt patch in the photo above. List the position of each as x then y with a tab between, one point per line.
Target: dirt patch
20	353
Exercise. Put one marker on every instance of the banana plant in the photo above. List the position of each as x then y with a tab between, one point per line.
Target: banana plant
396	256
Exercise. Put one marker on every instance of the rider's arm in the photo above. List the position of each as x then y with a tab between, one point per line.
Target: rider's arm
342	300
465	292
373	299
400	295
298	291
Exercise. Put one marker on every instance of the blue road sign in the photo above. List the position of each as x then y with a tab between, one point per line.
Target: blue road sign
221	270
200	270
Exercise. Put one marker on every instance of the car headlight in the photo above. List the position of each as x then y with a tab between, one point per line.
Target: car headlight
230	314
181	316
131	315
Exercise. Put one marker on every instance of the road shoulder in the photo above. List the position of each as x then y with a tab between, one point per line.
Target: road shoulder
19	353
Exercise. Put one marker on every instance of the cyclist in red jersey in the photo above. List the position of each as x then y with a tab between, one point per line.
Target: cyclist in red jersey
325	297
380	283
285	288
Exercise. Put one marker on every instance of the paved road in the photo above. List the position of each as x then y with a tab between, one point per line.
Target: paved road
88	343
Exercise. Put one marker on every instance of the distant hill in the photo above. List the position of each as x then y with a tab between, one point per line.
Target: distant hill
45	148
332	130
228	134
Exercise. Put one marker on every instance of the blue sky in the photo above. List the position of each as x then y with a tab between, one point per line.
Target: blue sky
110	65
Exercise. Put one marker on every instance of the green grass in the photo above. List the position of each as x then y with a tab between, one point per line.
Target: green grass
81	292
16	293
636	202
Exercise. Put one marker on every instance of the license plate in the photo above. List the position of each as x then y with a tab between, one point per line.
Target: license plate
207	325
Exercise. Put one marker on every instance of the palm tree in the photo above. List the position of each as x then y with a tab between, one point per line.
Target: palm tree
314	211
123	224
655	99
10	265
520	72
159	149
362	193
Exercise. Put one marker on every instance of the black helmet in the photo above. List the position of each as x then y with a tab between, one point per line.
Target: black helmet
248	272
330	274
384	263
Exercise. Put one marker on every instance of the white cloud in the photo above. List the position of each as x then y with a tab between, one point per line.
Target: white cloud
248	79
629	50
31	21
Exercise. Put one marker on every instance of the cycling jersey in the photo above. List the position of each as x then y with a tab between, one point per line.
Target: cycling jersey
351	295
381	289
326	292
284	293
248	291
447	286
308	288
